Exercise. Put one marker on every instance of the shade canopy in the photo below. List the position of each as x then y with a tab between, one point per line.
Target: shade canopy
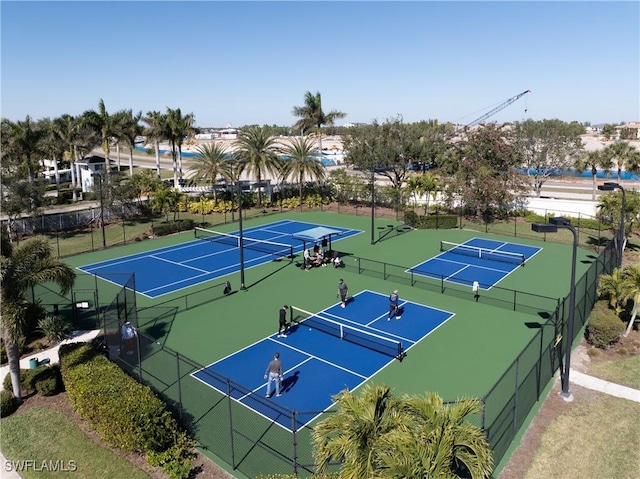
315	234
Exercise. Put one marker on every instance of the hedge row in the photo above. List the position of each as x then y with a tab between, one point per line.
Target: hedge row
164	229
127	414
411	218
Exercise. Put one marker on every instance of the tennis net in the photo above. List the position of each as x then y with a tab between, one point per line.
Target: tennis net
367	339
483	253
278	250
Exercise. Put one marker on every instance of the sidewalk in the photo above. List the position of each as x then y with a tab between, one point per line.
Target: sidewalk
590	382
50	354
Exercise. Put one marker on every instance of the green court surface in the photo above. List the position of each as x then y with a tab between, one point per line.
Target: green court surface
464	357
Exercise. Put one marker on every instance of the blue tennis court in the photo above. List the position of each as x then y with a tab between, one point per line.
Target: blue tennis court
166	270
317	364
479	260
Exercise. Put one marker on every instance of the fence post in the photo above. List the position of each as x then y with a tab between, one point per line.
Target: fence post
294	438
179	384
233	452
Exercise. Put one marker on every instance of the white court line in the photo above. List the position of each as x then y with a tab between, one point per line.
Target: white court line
178	264
302	351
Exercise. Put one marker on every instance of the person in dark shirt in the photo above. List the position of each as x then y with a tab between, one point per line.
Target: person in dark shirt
343	291
283	325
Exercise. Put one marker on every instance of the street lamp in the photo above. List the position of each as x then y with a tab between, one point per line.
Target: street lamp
610	186
241	246
373	203
104	237
552	227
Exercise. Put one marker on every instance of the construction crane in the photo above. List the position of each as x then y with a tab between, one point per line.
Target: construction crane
500	107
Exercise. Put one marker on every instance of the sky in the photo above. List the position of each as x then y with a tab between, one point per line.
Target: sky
239	63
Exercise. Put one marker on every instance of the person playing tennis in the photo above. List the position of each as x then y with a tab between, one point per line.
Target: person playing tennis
343	291
274	374
394	309
283	326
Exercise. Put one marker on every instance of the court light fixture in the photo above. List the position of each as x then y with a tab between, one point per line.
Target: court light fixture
552	227
611	186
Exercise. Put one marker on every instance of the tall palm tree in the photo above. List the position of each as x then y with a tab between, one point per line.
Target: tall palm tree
440	443
54	143
212	161
593	160
104	124
22	146
352	435
156	131
21	268
624	155
179	127
130	128
312	116
301	163
257	154
631	291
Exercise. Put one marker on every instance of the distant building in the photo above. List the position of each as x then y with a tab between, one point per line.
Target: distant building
228	134
632	130
86	168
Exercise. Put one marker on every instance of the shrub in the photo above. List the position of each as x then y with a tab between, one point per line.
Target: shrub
8	403
164	229
54	328
26	381
47	380
604	328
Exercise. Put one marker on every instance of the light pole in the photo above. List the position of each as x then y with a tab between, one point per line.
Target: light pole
241	246
610	186
373	204
552	227
104	237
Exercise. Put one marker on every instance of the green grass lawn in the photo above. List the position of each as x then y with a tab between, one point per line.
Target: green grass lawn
623	371
594	438
42	434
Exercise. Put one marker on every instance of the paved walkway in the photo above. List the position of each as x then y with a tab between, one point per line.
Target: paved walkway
590	382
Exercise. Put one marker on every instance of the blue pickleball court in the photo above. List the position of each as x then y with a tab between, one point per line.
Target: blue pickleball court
166	270
479	260
317	364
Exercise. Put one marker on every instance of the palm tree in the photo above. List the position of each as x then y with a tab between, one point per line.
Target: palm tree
594	160
54	143
212	161
312	116
352	435
612	286
104	124
22	145
21	268
430	186
130	128
631	291
156	131
301	164
257	154
178	127
624	155
440	442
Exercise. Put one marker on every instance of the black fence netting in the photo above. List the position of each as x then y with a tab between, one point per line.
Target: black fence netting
500	297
